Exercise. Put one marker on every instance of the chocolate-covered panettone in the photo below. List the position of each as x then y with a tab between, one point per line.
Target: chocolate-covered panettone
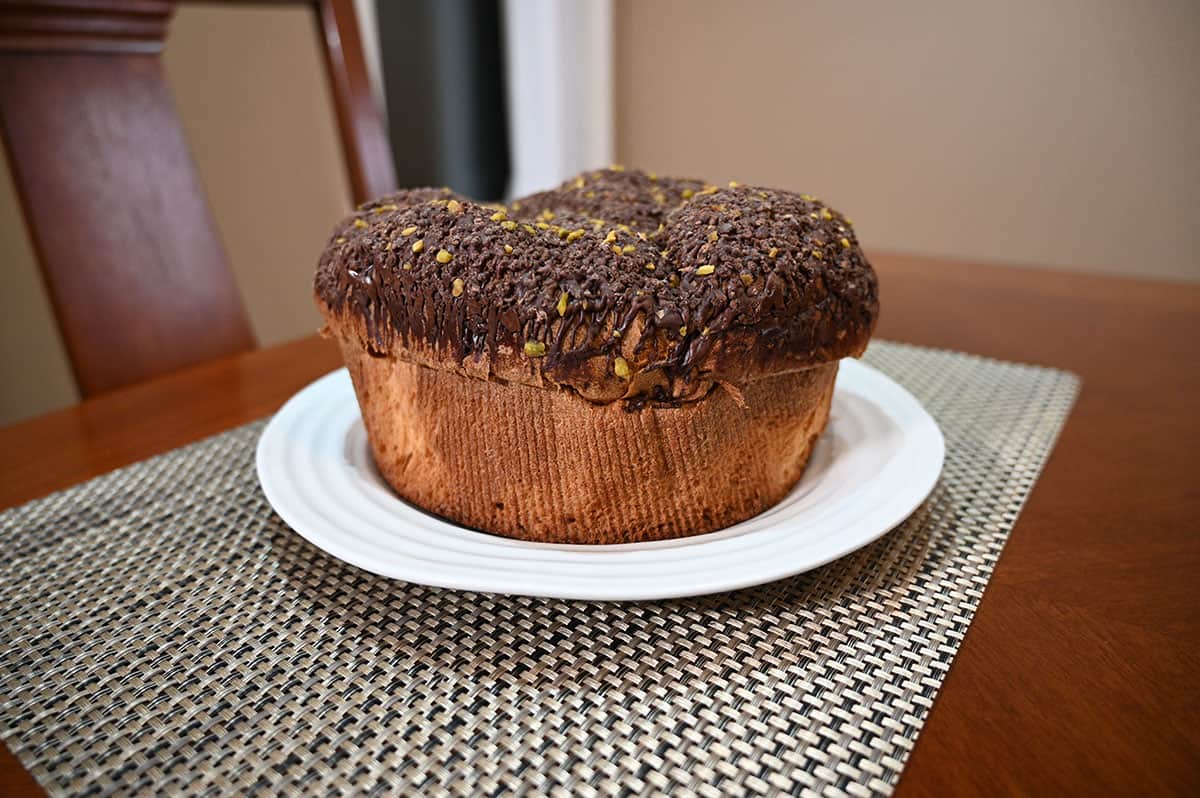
623	358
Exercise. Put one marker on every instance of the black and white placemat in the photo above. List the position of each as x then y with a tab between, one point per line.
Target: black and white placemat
161	630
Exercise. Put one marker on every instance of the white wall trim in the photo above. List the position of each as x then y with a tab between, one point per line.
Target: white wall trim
559	70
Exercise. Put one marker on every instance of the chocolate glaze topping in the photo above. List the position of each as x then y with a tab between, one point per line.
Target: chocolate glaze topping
619	283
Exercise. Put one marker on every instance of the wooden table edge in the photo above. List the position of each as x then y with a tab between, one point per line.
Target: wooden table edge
269	376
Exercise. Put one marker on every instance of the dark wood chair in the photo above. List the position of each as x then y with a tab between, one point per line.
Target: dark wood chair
135	270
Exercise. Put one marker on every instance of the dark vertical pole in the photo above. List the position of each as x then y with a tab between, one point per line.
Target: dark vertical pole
443	65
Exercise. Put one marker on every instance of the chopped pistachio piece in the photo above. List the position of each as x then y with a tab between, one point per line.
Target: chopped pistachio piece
563	299
456	288
418	245
706	269
408	231
444	257
621	367
535	348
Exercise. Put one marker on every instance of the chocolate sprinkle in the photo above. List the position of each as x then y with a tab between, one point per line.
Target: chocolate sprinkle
695	283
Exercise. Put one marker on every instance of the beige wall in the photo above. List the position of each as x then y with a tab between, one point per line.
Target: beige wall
253	95
251	90
34	375
1060	133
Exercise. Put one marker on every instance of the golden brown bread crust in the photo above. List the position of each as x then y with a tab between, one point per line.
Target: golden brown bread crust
546	465
624	358
727	286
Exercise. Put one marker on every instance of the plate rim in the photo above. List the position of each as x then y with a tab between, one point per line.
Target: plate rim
921	432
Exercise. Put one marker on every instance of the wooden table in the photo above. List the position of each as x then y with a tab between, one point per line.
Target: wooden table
1080	672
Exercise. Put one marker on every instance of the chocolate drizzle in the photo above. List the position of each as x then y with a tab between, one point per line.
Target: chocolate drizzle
687	283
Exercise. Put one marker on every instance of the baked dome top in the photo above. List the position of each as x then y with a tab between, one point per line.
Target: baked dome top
618	284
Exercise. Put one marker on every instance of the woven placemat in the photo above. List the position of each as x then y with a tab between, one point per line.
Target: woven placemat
161	630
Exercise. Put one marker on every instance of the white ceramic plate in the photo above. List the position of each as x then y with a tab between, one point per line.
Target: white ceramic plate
877	461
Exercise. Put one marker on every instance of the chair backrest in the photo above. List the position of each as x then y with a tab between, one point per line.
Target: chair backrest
127	245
